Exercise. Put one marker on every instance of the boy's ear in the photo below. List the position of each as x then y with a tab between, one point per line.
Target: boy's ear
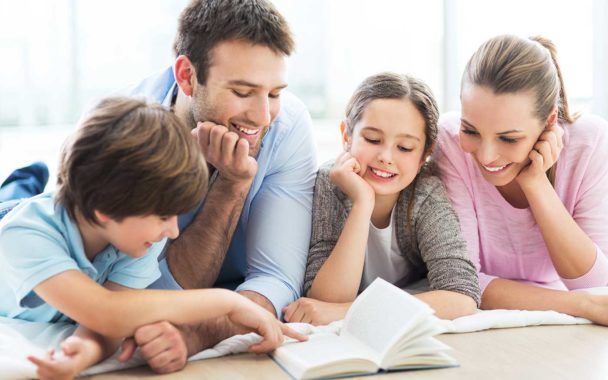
552	119
345	137
185	74
103	218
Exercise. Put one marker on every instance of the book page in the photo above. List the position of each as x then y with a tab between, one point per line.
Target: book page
382	314
324	355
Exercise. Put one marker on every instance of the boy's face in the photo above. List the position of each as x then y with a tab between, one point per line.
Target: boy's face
242	91
388	142
134	235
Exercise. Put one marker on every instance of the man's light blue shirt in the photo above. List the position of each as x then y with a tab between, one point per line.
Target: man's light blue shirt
39	240
270	245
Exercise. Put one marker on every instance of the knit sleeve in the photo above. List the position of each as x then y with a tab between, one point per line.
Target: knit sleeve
440	242
328	216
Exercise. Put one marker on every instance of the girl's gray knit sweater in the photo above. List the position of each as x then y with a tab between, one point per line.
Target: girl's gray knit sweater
432	246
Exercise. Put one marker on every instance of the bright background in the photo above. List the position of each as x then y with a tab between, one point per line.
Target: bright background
58	56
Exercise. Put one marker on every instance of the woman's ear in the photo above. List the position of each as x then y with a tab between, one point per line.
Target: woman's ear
552	118
185	74
345	136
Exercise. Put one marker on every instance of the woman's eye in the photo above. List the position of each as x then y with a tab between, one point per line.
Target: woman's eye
371	141
508	140
468	131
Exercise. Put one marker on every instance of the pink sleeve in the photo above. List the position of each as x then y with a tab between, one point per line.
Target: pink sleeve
452	167
591	198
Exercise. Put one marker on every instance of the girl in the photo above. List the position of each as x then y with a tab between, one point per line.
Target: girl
528	181
377	211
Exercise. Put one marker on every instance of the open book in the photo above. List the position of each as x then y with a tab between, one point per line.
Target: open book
385	329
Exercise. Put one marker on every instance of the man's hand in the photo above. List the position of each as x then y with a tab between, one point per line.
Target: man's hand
162	346
315	312
223	149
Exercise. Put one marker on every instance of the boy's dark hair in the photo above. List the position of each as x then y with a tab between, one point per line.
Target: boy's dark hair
129	158
206	23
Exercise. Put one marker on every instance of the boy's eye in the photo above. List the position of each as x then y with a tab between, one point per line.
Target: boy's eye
404	149
165	218
371	141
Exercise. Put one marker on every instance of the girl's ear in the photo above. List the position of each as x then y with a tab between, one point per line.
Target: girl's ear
552	119
345	137
426	157
103	218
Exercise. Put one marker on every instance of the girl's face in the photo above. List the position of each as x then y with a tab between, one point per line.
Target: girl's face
499	131
388	141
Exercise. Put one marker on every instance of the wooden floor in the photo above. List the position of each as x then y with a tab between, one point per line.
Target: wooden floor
544	352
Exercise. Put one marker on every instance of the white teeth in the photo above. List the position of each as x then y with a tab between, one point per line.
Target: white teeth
246	130
494	168
382	174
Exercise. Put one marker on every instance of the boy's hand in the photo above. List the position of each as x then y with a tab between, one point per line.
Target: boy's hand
252	316
315	312
542	156
346	174
223	149
63	367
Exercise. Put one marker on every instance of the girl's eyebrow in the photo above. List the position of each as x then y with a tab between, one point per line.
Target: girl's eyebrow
406	135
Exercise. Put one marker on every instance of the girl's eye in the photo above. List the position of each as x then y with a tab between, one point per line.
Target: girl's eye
468	131
404	149
508	140
371	141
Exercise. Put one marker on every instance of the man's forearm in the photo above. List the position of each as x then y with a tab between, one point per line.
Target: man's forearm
196	257
209	333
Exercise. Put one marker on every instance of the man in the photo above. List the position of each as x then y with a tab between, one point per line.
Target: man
253	227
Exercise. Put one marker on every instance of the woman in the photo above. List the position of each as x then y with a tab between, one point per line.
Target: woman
528	181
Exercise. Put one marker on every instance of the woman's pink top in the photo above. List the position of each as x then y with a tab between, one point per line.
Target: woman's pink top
505	242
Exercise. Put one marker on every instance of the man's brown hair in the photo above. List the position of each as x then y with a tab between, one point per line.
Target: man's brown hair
206	23
130	158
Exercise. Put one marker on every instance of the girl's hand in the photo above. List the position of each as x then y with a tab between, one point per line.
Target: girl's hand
542	157
63	367
346	174
315	312
255	318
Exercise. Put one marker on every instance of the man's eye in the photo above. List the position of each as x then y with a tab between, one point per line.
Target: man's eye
241	94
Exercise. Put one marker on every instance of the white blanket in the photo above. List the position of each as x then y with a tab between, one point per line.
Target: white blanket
18	339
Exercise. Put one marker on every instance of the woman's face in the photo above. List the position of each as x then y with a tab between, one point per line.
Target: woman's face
498	131
388	142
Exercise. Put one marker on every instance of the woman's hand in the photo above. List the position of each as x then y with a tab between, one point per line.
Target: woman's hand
346	174
315	312
542	157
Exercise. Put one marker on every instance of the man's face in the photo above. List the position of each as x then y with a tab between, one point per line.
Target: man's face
243	90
